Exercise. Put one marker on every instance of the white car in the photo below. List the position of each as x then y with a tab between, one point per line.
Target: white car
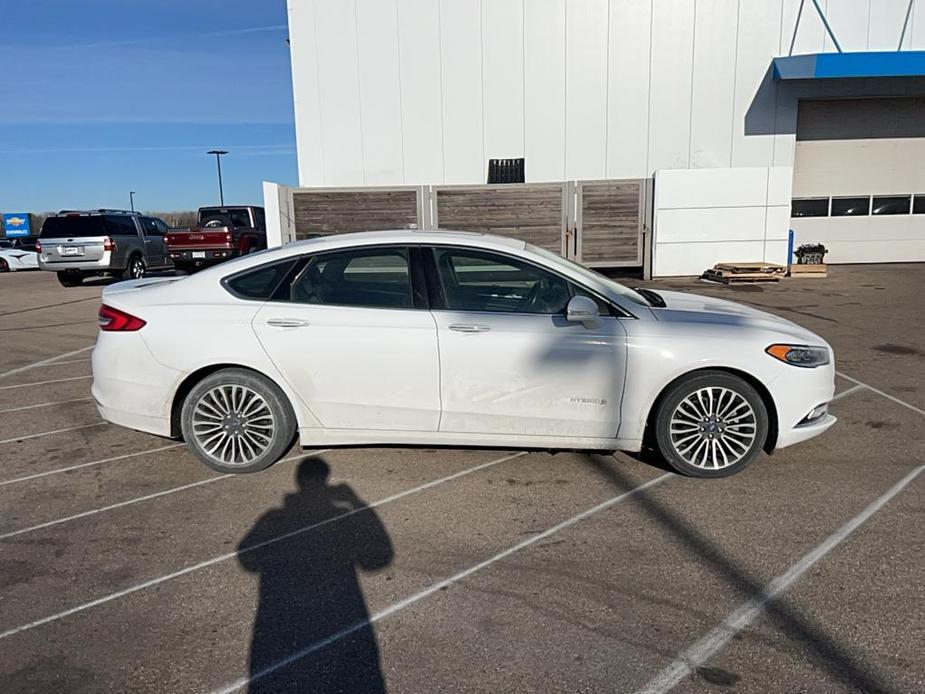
15	257
450	338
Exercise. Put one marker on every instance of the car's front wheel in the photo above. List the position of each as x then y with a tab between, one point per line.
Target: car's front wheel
237	421
711	424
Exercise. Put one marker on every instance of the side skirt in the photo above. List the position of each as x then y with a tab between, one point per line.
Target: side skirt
310	437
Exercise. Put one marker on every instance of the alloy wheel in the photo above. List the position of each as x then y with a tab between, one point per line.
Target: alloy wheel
713	428
137	269
233	424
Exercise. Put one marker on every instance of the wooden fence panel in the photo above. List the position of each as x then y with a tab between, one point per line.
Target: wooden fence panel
610	220
321	212
536	213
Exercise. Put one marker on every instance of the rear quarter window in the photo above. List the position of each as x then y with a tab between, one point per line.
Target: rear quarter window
260	283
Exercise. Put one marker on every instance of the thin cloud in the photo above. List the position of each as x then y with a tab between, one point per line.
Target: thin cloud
160	39
243	149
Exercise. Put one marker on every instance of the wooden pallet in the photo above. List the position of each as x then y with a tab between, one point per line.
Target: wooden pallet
730	273
814	271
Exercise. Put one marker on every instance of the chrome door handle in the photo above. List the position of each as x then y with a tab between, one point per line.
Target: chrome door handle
465	328
287	322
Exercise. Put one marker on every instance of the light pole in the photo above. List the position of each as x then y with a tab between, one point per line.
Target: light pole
218	161
131	199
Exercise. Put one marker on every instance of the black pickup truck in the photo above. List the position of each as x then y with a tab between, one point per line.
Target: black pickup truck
221	233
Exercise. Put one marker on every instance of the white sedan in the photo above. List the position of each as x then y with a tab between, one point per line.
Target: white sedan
450	338
14	259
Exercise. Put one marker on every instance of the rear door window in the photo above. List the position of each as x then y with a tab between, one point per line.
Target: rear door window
365	278
121	225
149	224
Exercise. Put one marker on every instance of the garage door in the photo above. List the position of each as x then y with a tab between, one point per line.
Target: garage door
859	178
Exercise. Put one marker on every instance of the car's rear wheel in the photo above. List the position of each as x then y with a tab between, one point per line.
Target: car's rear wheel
135	269
711	424
70	279
237	421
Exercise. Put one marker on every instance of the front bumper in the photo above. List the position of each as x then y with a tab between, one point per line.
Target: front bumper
804	432
796	392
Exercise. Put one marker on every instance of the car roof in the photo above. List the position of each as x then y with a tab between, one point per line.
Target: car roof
439	236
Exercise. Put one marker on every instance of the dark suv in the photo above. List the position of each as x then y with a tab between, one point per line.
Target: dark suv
101	242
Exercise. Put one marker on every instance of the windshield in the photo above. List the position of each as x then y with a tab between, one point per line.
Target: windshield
616	287
224	217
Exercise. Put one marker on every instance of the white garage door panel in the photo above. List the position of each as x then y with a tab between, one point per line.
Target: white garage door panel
855	167
865	239
861	147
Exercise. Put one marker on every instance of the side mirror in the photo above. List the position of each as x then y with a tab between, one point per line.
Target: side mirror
582	309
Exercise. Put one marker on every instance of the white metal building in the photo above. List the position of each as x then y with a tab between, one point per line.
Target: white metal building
698	95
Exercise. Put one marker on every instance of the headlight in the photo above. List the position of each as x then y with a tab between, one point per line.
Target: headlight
800	355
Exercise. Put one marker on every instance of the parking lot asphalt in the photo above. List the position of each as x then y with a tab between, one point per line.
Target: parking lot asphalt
125	565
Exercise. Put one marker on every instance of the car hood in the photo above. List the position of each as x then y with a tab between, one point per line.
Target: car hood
694	308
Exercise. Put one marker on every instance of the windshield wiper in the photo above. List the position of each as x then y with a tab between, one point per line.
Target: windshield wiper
652	297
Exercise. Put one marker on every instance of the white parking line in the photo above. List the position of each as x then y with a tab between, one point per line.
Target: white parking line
129	502
231	555
45	383
435	587
881	393
44	404
711	644
849	391
17	439
58	471
69	361
45	361
148	497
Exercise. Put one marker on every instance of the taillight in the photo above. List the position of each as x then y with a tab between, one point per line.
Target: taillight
229	237
38	246
109	244
113	320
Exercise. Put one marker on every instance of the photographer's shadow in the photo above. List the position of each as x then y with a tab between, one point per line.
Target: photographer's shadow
310	591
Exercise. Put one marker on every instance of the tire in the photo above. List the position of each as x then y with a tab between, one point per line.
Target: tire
218	400
710	424
70	279
135	269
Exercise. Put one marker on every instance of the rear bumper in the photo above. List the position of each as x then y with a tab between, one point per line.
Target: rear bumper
210	256
159	426
103	264
130	387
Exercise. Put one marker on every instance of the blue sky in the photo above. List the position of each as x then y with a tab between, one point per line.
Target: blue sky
100	97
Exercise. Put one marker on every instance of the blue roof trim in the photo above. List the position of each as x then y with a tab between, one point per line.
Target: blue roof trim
836	65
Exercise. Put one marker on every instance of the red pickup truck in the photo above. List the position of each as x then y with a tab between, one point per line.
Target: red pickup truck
221	233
